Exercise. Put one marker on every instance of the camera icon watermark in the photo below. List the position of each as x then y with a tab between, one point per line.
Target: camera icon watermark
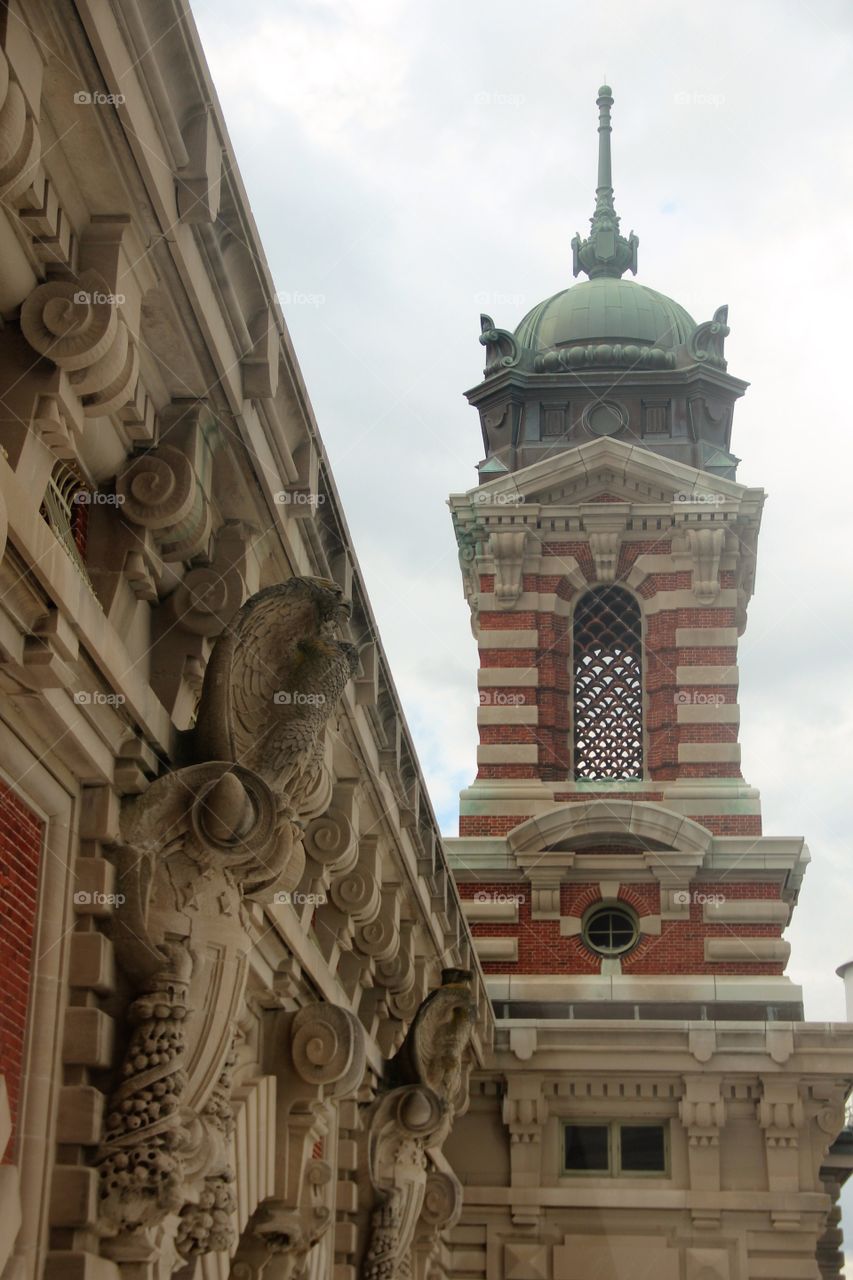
512	499
96	298
298	298
295	698
686	897
94	498
499	897
686	98
84	698
93	898
698	698
700	496
499	698
298	899
496	98
298	498
83	98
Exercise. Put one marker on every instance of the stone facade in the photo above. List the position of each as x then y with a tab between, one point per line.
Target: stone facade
239	998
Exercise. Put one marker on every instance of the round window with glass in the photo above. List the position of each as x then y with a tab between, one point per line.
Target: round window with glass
610	929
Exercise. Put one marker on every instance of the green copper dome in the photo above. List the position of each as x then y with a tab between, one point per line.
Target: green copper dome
605	309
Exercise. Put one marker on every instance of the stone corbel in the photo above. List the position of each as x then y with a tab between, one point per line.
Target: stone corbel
441	1210
702	1112
398	990
781	1116
604	547
605	526
376	950
747	537
354	899
206	600
198	610
525	1112
426	1087
331	841
301	497
260	366
166	489
507	547
20	142
318	1055
470	540
829	1119
198	184
706	548
544	873
76	323
190	848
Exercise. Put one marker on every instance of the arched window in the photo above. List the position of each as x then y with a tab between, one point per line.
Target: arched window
608	685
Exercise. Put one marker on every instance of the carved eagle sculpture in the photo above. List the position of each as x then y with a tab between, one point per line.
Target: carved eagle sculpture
273	679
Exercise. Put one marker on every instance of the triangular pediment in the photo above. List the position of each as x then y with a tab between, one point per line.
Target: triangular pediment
607	471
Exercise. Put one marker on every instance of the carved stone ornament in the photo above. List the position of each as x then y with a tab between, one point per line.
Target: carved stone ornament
470	541
191	847
164	492
603	354
428	1082
279	1240
507	547
20	143
706	549
707	340
604	546
319	1057
76	324
501	347
441	1210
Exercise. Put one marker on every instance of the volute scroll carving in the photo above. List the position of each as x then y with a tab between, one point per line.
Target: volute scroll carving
320	1057
502	349
707	341
191	847
427	1086
75	323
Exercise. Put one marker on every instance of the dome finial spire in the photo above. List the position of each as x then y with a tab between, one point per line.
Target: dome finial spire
605	252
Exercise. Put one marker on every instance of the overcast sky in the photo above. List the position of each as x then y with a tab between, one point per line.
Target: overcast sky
413	164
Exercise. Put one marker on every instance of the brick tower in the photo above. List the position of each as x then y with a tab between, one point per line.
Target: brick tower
624	902
608	557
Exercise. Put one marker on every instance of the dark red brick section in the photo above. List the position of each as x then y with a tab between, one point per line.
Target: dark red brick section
20	857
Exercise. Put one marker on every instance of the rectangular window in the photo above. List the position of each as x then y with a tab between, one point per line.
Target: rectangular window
655	417
614	1150
587	1148
642	1148
553	420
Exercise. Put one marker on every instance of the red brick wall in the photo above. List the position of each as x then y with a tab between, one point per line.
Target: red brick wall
20	856
678	949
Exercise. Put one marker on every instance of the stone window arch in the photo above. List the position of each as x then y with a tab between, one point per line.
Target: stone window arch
607	685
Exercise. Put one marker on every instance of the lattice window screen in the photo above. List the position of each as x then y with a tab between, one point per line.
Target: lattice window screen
608	686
